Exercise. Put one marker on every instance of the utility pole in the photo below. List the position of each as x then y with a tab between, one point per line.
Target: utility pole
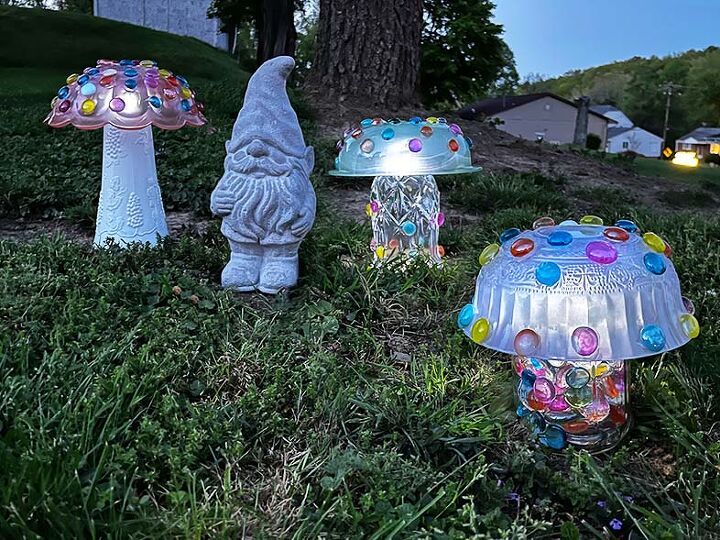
668	89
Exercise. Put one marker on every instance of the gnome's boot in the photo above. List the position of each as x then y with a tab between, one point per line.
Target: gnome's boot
242	272
279	268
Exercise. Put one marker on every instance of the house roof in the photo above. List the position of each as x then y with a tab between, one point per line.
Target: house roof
617	131
703	133
492	106
603	109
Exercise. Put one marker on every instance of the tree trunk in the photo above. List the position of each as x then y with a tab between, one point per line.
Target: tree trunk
369	50
277	35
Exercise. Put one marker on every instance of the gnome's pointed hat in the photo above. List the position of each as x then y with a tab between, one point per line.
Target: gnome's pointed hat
266	111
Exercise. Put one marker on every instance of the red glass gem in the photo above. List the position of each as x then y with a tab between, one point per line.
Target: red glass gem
522	247
535	403
577	426
617	415
107	80
426	130
617	234
453	145
356	133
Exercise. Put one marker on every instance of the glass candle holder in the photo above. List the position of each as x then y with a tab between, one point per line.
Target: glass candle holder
569	403
405	215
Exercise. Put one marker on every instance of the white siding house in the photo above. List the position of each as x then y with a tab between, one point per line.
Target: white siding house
704	140
624	136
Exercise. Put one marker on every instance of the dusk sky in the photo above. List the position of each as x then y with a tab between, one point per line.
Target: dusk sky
550	37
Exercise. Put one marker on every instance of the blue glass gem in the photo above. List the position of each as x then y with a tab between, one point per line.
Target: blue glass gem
186	105
388	134
537	423
182	81
554	437
509	234
415	120
88	89
82	79
126	62
527	378
522	411
409	228
655	263
548	273
469	142
93	71
626	224
366	122
559	238
131	72
466	316
63	92
131	84
652	337
155	101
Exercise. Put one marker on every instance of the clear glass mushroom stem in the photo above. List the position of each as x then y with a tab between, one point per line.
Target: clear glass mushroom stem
405	214
584	404
130	207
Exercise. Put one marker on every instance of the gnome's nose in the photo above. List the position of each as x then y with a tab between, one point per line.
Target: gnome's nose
257	149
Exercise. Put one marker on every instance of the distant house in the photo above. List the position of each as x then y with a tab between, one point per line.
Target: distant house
182	17
625	136
703	141
537	117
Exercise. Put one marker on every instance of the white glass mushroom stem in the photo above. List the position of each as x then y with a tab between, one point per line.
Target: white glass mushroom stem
404	212
130	207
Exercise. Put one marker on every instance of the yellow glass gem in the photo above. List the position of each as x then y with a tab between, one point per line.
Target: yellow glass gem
380	252
164	73
480	330
72	78
87	107
690	325
432	119
368	210
146	63
599	369
654	242
185	92
488	254
591	220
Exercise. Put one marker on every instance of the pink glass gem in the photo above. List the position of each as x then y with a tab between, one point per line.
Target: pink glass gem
598	410
374	206
117	104
415	145
441	219
584	341
544	390
601	252
558	404
526	342
169	93
560	381
518	364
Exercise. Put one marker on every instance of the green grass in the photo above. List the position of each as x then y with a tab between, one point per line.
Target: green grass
702	177
138	399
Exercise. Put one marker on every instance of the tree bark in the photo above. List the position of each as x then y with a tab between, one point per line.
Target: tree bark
277	35
369	50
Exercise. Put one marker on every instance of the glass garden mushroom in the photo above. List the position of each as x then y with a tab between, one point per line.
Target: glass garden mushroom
573	303
126	98
404	202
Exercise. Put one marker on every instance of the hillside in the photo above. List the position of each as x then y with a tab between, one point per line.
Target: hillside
636	86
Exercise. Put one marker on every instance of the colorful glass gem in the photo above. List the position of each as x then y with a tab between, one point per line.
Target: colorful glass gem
466	316
432	119
155	101
366	122
415	120
117	104
374	206
82	79
591	220
455	129
426	130
380	252
521	247
488	254
585	341
690	325
577	377
88	89
169	93
107	80
480	330
626	224
131	84
63	92
453	145
440	219
186	93
388	133
668	250
601	252
415	145
185	105
558	404
526	342
409	228
654	242
73	77
554	437
652	337
617	234
441	250
509	234
548	273
393	243
579	397
367	146
559	238
576	426
87	107
537	423
545	221
655	263
534	403
64	106
130	72
688	304
544	390
356	133
164	73
469	142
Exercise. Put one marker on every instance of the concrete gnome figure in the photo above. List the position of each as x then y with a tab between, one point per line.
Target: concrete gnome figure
265	197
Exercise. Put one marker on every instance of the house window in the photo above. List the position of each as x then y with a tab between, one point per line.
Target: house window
715	148
626	145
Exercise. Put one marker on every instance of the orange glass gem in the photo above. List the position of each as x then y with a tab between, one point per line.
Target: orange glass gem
522	247
617	234
534	403
107	80
441	251
426	130
576	427
453	145
617	415
668	250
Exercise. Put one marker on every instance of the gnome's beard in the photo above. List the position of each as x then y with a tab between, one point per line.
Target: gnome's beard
274	203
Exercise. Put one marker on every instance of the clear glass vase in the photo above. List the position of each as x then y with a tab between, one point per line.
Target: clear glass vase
405	214
584	404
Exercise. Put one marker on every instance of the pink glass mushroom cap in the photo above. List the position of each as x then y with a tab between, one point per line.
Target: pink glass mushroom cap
403	156
572	303
126	98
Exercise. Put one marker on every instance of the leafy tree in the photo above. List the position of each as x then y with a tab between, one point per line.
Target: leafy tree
463	53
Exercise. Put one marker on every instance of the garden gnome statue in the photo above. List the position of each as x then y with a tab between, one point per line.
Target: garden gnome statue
265	197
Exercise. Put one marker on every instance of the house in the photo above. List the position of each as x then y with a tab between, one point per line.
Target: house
537	117
703	141
625	136
182	17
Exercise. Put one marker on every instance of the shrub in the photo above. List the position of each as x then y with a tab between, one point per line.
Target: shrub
712	159
593	142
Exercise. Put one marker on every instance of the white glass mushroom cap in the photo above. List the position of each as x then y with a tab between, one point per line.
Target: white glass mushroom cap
126	98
